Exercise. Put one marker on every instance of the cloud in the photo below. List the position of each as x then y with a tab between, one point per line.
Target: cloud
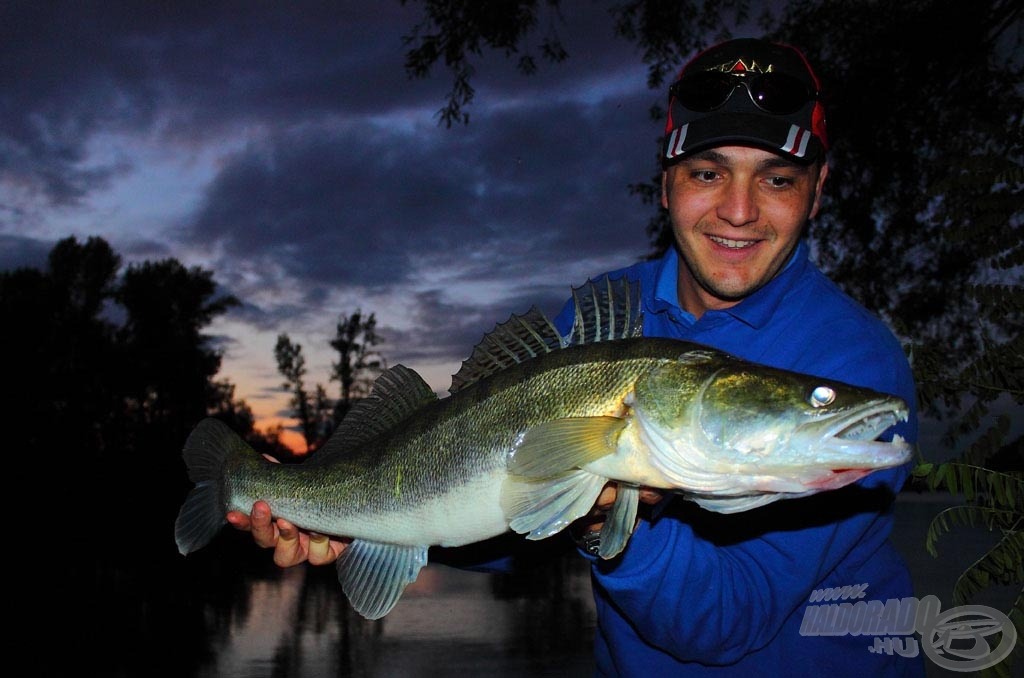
285	148
69	72
364	205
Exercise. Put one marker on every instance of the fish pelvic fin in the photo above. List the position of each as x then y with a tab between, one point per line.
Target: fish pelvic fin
618	526
606	309
373	575
543	508
206	451
547	487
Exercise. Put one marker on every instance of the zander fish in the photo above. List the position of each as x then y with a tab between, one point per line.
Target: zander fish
535	425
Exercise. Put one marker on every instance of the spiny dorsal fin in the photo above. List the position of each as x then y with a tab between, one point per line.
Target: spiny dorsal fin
396	394
519	338
605	309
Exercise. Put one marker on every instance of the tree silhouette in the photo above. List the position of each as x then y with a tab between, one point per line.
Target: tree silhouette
358	363
59	346
170	386
110	371
292	366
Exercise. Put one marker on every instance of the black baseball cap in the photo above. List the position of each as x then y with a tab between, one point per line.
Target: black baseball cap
746	92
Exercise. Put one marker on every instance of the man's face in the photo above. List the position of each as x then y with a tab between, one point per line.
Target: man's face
737	214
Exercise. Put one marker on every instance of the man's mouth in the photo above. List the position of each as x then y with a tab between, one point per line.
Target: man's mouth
732	244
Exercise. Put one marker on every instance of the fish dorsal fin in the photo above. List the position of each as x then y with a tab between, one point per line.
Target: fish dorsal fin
396	394
606	309
519	338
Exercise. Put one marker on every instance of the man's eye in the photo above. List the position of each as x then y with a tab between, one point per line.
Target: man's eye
780	182
705	175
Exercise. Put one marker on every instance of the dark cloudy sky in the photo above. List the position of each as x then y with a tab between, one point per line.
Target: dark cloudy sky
283	146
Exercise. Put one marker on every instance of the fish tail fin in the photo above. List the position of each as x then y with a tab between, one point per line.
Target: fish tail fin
202	515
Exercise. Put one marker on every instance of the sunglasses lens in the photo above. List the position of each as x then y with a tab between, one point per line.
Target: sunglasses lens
771	92
778	93
704	91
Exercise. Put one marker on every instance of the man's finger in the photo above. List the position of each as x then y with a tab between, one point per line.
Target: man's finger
649	496
607	497
264	532
319	549
239	521
290	549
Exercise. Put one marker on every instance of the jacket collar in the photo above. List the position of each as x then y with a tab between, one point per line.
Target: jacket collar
755	311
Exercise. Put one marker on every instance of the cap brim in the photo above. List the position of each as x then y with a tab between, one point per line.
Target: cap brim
773	134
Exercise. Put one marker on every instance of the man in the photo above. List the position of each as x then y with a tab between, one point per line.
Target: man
701	593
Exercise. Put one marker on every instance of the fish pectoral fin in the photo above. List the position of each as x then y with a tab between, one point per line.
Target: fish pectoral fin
547	487
618	526
374	575
542	508
550	449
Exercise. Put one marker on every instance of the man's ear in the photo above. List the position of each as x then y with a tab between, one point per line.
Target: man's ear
664	189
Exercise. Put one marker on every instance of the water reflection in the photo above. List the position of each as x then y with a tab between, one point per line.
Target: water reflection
448	621
227	611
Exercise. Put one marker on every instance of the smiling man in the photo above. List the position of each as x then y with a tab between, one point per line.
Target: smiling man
737	214
697	593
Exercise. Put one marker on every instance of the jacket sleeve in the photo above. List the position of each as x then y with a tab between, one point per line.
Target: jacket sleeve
712	588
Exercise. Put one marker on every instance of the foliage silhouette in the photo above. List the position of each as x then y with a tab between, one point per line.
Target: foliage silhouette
112	370
357	366
358	363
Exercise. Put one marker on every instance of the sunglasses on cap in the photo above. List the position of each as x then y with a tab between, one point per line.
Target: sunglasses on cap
775	93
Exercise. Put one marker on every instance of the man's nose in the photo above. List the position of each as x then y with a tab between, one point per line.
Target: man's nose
739	204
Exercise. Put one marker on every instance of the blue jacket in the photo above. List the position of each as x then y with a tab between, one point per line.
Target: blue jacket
697	593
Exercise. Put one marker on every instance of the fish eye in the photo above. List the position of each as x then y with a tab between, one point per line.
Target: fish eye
822	396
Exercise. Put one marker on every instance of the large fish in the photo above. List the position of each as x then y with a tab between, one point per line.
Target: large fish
535	425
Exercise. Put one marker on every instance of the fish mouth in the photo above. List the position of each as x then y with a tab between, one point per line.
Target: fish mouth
829	451
847	440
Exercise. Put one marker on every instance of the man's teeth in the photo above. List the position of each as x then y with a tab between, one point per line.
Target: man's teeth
733	244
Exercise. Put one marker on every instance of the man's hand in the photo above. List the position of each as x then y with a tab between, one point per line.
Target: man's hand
593	521
291	545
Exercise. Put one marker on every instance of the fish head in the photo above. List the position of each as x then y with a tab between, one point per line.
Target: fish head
721	427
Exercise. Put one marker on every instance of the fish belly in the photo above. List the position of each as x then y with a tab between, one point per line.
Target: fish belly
463	513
